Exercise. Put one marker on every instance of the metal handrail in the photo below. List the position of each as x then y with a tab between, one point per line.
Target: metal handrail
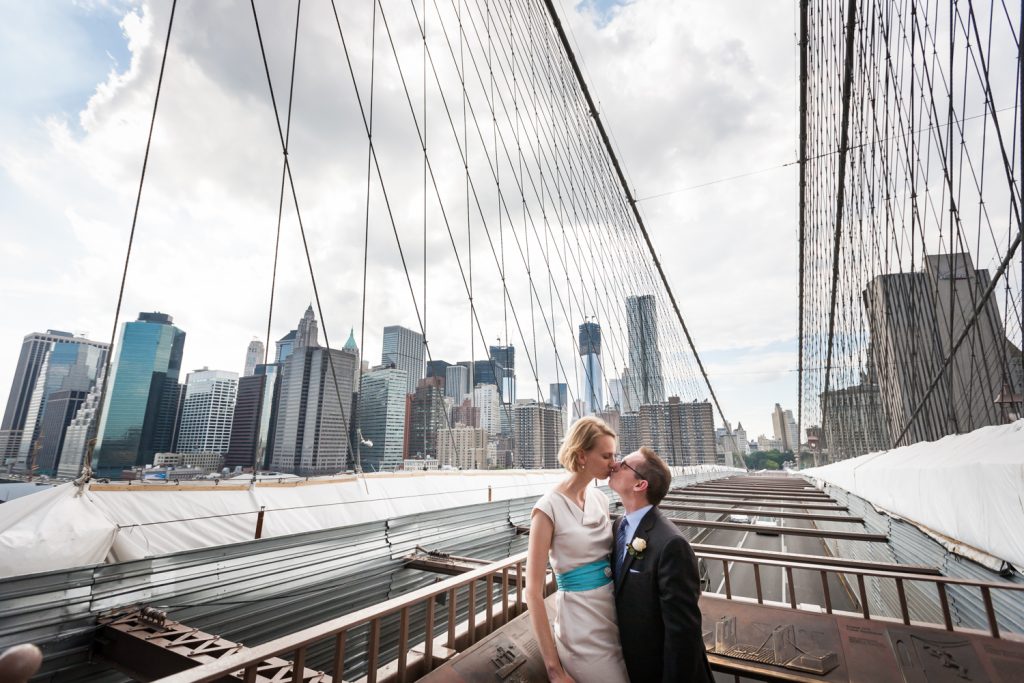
940	582
296	644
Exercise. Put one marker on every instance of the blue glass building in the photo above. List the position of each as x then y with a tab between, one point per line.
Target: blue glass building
142	401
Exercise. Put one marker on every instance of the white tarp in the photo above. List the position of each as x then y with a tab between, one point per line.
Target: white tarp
968	488
67	527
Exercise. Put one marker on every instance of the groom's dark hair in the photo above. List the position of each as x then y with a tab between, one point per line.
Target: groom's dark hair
657	474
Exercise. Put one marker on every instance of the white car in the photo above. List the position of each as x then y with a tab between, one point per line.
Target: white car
768	526
739	519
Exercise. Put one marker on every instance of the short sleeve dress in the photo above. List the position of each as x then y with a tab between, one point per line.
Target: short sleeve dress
585	628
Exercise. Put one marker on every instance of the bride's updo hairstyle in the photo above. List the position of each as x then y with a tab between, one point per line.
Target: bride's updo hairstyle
582	436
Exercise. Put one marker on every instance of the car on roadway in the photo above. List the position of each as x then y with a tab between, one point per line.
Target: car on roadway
740	519
767	526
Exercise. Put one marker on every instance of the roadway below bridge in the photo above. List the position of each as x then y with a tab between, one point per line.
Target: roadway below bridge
774	581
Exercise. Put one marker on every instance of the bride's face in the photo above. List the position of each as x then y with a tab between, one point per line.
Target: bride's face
599	461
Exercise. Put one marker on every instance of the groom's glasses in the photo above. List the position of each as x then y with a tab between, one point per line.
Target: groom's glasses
622	461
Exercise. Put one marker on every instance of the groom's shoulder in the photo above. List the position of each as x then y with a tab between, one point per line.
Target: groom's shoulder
664	525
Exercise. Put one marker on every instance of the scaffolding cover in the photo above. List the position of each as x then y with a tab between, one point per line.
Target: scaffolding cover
965	490
70	526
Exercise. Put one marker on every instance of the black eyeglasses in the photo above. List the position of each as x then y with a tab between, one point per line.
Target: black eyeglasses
622	461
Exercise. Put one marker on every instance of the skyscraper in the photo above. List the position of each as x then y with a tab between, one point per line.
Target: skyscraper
590	356
485	397
60	411
437	368
142	401
78	433
504	359
785	428
537	429
403	349
426	417
308	331
854	423
252	424
50	362
914	319
462	447
629	432
456	382
682	433
285	345
382	418
558	395
253	356
645	379
353	347
465	414
484	372
616	394
207	412
315	406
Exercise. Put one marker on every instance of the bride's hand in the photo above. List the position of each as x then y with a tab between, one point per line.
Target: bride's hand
560	677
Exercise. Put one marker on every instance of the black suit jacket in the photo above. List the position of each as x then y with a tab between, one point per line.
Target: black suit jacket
656	600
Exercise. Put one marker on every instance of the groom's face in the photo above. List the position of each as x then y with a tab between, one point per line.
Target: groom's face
625	476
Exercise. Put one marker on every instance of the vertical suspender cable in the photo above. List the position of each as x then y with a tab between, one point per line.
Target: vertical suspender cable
629	195
844	144
107	379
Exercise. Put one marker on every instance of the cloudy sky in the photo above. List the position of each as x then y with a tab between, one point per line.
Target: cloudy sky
693	93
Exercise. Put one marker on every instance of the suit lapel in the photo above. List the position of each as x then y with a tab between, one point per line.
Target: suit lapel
646	524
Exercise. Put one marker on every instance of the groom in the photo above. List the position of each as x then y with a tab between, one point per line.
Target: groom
656	580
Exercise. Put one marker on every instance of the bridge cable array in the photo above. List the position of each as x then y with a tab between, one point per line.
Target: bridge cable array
910	230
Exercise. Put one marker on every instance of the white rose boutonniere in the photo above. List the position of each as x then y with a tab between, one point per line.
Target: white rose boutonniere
637	547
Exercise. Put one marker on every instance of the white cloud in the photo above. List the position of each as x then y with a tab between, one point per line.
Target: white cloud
691	94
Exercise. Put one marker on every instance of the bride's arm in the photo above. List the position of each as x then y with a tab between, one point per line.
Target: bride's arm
542	530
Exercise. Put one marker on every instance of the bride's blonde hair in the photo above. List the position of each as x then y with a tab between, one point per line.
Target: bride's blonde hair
582	436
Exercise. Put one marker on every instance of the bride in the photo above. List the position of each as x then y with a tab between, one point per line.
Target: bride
570	526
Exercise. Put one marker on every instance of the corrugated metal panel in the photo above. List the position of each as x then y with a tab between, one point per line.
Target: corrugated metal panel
52	608
255	591
910	545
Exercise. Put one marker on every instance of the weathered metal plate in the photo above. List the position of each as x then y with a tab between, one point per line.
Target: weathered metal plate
509	655
751	640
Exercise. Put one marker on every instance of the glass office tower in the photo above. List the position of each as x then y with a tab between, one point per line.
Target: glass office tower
141	404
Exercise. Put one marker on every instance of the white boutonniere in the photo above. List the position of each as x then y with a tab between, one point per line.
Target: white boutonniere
636	548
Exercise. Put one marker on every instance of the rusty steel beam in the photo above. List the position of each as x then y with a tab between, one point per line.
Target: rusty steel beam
777	483
717	493
758	492
808	490
762	489
752	511
738	501
450	565
147	646
796	560
786	531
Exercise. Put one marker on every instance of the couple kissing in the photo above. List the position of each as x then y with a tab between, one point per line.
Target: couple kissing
626	606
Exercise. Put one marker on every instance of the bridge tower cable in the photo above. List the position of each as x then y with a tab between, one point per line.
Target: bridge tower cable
556	22
259	455
851	23
107	379
802	218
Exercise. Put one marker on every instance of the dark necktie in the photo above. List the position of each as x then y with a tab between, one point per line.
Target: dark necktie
620	545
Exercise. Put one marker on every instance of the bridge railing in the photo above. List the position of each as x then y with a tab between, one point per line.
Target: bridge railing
503	581
901	580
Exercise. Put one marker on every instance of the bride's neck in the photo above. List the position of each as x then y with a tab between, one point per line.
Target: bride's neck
576	485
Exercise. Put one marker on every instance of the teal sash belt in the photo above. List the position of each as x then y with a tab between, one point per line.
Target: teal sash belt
586	577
